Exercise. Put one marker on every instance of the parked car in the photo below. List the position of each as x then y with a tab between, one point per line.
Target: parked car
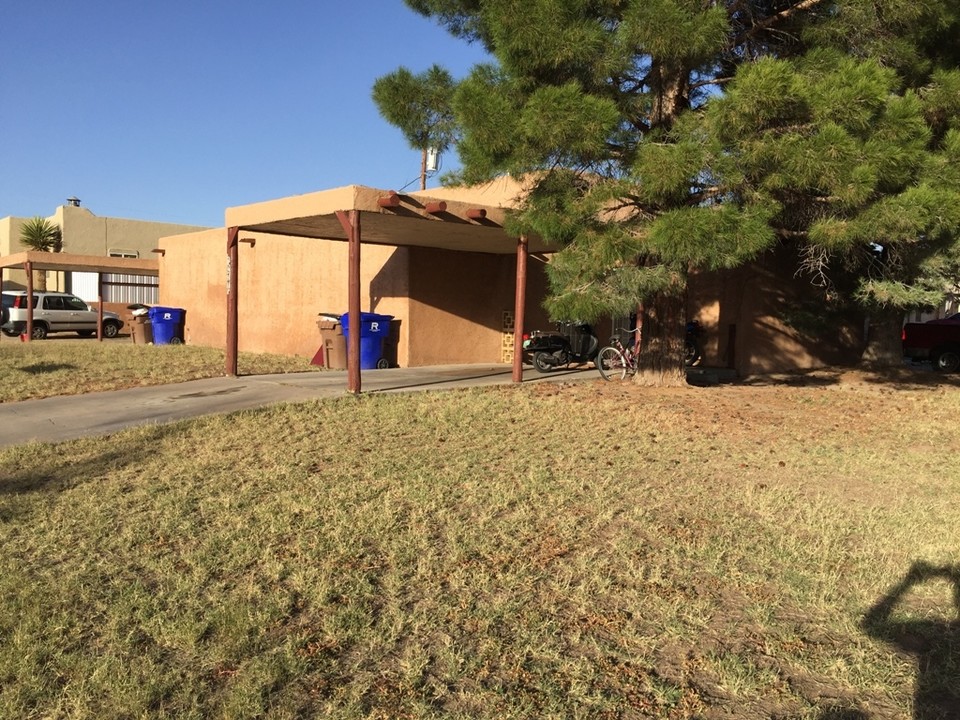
54	312
935	340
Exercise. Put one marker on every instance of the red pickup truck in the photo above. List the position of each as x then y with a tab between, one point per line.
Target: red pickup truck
935	340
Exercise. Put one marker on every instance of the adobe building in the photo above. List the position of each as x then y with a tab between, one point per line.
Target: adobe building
440	262
86	234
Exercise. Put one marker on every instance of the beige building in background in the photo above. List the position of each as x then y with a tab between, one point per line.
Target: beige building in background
87	234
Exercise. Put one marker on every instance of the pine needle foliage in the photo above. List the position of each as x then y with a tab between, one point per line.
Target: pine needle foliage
667	136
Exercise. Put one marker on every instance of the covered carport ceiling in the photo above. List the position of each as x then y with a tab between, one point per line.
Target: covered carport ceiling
389	218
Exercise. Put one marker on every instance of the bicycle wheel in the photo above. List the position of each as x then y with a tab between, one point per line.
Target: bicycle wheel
611	363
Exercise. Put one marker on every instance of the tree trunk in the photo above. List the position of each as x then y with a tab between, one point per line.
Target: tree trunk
40	280
884	348
661	354
670	85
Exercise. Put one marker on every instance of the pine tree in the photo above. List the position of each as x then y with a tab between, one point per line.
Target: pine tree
419	105
667	136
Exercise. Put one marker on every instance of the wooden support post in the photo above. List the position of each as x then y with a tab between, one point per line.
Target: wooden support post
351	226
233	257
520	302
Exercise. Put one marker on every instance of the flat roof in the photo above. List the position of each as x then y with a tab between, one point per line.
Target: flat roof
389	218
81	263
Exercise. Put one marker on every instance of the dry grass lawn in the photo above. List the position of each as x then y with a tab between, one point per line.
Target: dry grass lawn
69	366
588	550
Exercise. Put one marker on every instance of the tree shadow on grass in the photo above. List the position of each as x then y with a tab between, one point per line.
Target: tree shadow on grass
904	377
47	367
839	713
934	642
45	467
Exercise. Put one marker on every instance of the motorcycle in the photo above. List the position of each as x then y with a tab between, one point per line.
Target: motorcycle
571	342
692	353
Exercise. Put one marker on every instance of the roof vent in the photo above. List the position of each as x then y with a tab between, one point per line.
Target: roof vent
75	201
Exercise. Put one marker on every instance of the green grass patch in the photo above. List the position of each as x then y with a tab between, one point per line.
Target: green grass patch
576	551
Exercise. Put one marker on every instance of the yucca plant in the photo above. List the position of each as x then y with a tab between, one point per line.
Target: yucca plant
42	235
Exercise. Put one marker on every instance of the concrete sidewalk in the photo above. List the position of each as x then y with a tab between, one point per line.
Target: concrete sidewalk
69	417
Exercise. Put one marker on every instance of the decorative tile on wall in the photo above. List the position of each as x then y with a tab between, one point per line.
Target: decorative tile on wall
507	333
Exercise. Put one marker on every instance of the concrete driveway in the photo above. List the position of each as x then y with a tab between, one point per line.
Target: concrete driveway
70	417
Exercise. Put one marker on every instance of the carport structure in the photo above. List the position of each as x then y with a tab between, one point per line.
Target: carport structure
361	215
66	262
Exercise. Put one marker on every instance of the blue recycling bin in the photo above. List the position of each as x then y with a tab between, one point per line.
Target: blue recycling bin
373	329
167	325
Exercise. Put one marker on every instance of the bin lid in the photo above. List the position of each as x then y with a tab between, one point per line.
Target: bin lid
158	312
367	316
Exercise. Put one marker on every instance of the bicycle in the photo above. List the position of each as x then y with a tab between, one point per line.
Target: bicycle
616	359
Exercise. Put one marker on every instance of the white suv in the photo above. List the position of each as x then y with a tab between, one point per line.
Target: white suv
54	312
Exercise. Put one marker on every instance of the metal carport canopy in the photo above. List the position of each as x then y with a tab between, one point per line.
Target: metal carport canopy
388	218
67	262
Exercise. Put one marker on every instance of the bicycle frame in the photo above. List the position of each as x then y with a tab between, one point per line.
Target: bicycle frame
617	360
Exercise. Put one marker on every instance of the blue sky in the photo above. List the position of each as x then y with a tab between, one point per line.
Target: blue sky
174	111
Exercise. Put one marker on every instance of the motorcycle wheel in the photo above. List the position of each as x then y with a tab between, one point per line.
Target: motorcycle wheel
691	353
542	362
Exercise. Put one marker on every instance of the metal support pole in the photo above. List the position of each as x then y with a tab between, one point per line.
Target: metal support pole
28	266
233	257
520	303
351	225
99	307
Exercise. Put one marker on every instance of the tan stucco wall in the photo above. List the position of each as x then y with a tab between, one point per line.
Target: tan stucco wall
502	192
458	301
10	244
283	284
449	306
761	318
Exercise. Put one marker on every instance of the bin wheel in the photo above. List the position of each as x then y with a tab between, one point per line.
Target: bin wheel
176	341
383	364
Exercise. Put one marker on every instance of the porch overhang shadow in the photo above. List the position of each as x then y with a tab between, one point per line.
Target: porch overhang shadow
67	262
360	215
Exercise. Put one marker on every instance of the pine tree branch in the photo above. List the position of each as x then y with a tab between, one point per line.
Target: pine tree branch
710	81
707	193
776	18
791	234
